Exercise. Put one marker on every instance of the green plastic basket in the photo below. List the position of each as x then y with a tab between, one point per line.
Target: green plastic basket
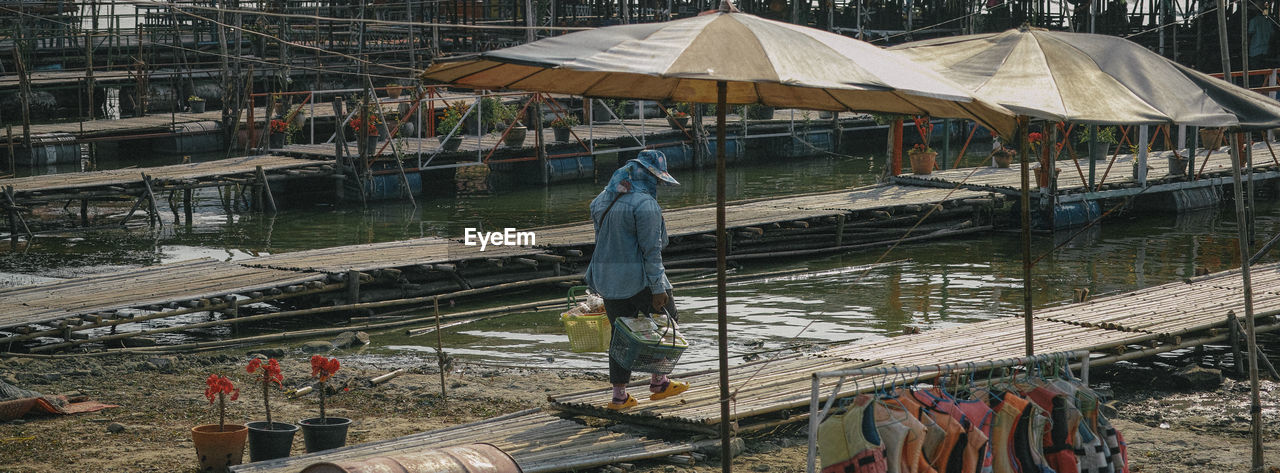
637	354
588	333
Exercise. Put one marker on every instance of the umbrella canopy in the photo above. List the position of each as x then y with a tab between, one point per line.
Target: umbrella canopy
1090	78
762	61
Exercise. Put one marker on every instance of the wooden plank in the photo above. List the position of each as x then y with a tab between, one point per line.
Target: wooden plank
130	177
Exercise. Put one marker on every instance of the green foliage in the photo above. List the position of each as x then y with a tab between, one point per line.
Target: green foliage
887	118
450	117
567	121
1106	134
506	113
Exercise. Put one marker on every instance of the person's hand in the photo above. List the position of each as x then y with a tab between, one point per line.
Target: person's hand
659	301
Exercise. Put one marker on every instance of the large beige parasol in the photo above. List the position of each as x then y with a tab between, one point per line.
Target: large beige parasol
723	57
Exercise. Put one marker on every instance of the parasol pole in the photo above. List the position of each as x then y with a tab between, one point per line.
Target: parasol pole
1028	329
722	250
1242	227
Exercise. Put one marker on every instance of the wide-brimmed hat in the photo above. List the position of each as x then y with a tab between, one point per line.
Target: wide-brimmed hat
656	163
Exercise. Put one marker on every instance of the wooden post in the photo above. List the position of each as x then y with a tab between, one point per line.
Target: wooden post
540	140
1024	171
895	131
266	189
840	220
24	96
1140	172
186	205
88	68
353	286
339	150
153	211
8	130
84	212
1233	339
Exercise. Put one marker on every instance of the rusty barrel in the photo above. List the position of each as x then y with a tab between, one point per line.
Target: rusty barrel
471	458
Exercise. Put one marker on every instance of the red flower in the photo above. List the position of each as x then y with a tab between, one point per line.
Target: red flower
279	126
369	126
323	368
220	385
270	371
1035	137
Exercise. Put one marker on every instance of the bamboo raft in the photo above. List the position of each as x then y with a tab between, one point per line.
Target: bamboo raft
1073	175
538	441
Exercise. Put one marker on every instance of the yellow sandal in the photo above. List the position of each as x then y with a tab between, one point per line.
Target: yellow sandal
618	406
673	388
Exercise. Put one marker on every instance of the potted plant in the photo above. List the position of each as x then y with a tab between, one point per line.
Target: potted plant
561	126
197	104
923	158
268	439
1211	138
220	445
394	90
367	124
1002	156
324	432
1178	164
449	120
278	129
677	117
515	131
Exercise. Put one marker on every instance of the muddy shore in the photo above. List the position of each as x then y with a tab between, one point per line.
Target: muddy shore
161	398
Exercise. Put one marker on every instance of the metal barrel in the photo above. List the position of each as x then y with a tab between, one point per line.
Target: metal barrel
471	458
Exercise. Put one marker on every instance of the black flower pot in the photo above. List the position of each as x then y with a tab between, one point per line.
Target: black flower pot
197	106
276	141
324	434
562	134
266	443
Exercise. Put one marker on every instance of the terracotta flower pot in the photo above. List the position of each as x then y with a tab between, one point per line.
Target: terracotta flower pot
1211	138
922	162
1002	158
1042	177
216	449
394	92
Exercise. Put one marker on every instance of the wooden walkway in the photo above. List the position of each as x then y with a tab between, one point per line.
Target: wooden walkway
186	284
1119	181
78	185
766	390
536	440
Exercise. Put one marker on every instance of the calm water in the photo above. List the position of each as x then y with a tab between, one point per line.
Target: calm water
838	298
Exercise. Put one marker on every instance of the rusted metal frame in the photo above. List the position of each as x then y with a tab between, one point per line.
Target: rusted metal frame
1124	139
959	157
560	113
502	138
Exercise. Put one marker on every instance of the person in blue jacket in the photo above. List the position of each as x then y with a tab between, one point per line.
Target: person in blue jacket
626	265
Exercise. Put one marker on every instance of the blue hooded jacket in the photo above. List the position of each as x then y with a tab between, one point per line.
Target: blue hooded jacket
629	239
